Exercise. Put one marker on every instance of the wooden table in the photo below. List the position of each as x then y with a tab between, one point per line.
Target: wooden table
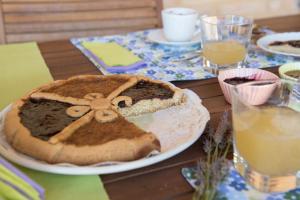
162	180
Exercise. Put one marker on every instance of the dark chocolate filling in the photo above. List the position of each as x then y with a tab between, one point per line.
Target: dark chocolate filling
146	90
264	83
238	80
45	118
293	43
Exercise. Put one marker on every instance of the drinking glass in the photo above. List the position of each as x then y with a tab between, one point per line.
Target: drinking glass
225	41
267	139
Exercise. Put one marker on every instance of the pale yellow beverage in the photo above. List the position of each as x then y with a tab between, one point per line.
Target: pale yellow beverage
224	52
268	139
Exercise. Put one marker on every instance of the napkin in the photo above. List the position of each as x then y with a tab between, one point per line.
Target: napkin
113	57
234	187
16	185
22	68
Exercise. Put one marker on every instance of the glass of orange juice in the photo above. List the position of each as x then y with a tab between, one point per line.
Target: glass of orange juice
225	40
267	140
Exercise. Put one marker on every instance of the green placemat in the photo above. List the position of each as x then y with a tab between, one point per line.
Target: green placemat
22	68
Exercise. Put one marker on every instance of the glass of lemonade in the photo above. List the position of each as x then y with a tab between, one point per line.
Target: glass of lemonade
267	141
225	40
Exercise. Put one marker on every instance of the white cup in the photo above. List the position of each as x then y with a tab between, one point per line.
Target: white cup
180	24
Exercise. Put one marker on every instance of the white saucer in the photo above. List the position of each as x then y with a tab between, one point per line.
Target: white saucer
157	36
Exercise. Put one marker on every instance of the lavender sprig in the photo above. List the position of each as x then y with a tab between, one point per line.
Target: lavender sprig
213	169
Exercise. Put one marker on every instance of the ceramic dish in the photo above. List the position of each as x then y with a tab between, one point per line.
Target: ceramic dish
286	68
289	67
265	41
254	94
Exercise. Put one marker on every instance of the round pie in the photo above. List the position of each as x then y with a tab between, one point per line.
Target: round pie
82	120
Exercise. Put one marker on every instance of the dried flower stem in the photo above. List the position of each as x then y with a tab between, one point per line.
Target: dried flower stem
212	170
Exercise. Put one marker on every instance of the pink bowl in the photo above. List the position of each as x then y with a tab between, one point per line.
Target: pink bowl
254	95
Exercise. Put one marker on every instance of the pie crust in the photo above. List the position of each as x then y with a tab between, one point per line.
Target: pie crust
94	101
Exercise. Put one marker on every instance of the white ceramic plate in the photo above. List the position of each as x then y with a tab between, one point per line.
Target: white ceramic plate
268	39
157	36
170	145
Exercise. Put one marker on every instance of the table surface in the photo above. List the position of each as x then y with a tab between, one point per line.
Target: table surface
162	180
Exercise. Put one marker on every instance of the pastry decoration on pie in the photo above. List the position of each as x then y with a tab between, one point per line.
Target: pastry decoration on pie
291	46
82	120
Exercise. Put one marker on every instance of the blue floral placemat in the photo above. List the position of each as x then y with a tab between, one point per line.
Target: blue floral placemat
235	188
166	62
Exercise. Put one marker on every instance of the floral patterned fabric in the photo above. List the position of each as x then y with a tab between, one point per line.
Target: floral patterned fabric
235	188
167	62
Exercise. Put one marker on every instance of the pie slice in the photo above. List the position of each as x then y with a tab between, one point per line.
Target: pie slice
82	120
149	96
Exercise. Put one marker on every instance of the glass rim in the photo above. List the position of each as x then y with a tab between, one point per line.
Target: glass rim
247	20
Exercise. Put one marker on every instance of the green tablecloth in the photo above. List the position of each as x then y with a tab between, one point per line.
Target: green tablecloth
22	68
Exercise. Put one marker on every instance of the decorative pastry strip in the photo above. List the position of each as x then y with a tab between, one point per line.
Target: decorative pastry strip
132	81
93	96
77	111
69	130
126	99
104	116
100	104
56	97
